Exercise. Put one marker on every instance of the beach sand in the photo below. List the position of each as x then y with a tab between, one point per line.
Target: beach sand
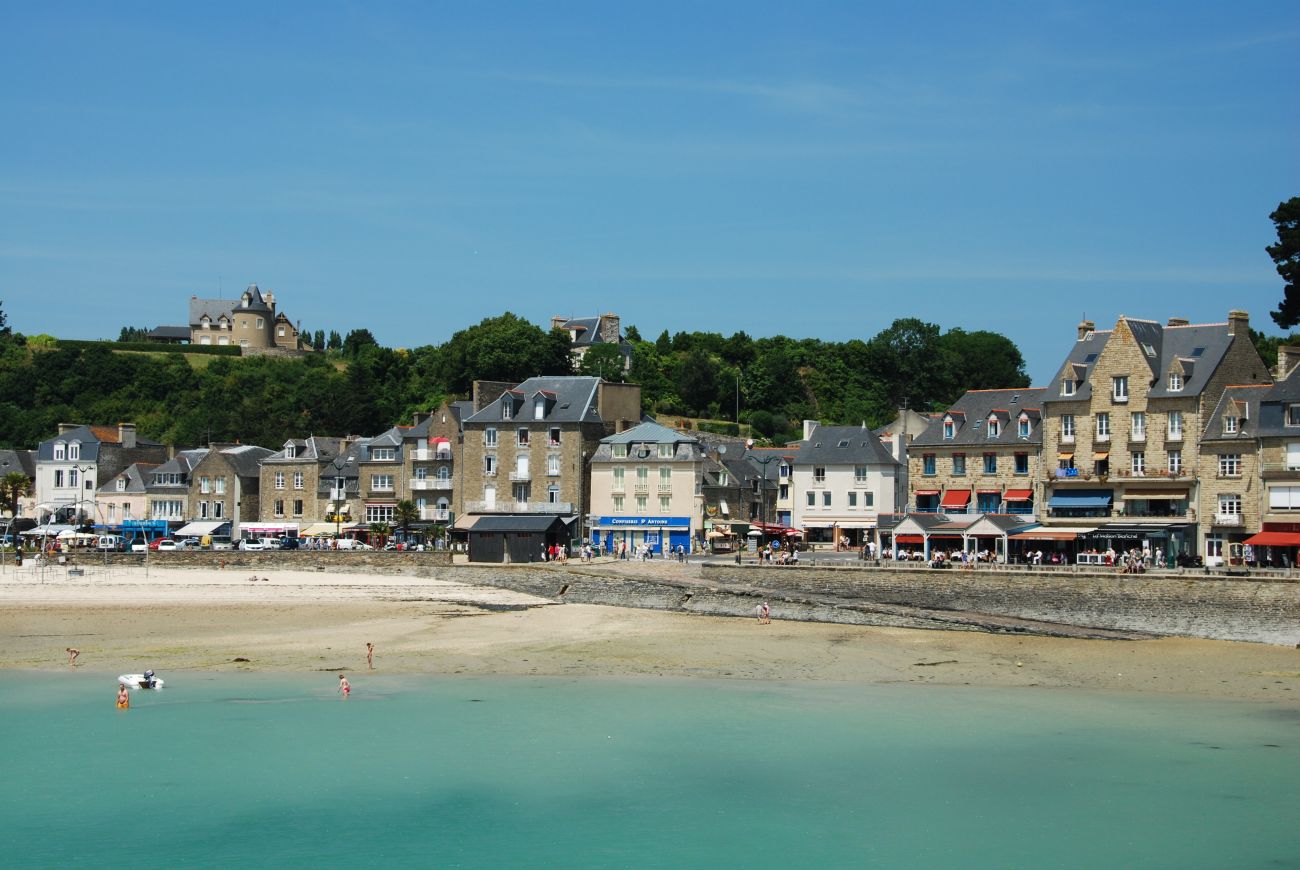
192	620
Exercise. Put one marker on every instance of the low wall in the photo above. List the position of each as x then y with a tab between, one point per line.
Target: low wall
373	561
1222	609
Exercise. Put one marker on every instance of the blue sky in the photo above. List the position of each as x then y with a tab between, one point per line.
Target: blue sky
811	171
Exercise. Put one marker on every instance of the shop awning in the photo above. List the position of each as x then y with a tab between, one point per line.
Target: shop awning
1045	534
1274	539
1064	455
989	491
1170	494
927	492
956	498
1101	454
199	529
909	539
1019	495
1082	498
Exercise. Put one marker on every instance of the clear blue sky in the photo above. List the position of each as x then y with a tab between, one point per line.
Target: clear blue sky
811	171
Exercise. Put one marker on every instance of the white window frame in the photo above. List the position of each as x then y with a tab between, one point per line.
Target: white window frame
297	480
1067	387
1103	426
1137	426
381	483
279	480
490	437
1175	430
1138	463
1229	465
1175	382
1119	388
1067	428
1175	461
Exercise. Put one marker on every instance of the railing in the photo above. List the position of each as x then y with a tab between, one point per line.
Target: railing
424	454
665	489
338	495
421	483
641	487
1153	474
437	515
519	507
1227	519
521	475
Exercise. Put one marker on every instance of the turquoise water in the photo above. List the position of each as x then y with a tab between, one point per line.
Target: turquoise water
277	771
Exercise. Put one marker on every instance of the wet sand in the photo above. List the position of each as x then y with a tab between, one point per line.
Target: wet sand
187	620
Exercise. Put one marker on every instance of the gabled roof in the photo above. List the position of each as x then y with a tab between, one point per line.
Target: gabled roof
843	445
971	412
649	433
137	476
574	401
316	448
90	438
246	459
1242	402
1078	365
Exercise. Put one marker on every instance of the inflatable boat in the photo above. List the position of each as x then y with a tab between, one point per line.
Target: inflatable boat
147	680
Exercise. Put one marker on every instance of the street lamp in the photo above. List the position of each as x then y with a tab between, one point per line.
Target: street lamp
762	493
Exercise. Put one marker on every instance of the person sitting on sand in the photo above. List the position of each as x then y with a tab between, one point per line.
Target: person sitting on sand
344	686
72	652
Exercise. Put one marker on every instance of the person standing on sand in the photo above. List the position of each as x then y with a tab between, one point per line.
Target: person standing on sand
72	652
123	697
766	612
370	656
344	686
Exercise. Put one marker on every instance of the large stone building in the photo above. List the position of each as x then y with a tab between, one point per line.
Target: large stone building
251	322
588	332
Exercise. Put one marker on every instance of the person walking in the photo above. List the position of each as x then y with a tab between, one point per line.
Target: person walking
344	686
370	656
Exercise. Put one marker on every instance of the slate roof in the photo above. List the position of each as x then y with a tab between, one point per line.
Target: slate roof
1270	413
1244	403
1193	349
246	459
574	402
90	437
316	448
970	415
843	445
688	448
496	523
23	461
182	463
588	332
170	333
215	308
137	475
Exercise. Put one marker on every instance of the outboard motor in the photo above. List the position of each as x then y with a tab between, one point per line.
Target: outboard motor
148	678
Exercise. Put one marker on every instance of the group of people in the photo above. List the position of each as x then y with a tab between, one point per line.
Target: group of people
773	553
555	553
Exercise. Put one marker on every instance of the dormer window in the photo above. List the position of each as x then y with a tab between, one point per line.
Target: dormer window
539	409
507	409
383	454
290	450
1231	425
620	451
666	451
1067	387
1175	382
121	484
995	427
1292	415
60	450
205	322
1024	427
949	430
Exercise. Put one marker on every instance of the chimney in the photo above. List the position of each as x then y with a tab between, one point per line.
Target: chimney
65	428
609	328
558	321
269	298
1238	323
421	416
1178	321
1288	357
1085	327
126	435
808	427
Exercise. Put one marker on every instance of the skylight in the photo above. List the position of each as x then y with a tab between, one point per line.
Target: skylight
1092	357
1197	351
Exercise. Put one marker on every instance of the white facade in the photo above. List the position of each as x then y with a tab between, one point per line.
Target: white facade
841	497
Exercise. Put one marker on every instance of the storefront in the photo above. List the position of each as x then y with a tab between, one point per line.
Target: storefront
1277	546
656	532
1171	539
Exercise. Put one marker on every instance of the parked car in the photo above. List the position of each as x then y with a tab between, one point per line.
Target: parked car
188	544
352	544
222	543
113	543
139	545
162	544
252	544
289	544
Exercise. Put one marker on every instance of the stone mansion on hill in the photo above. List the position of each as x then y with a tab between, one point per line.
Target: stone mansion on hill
1168	435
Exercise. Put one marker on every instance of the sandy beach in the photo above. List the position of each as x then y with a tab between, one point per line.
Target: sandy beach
194	620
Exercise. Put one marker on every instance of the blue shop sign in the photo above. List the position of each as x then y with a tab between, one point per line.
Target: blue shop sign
642	522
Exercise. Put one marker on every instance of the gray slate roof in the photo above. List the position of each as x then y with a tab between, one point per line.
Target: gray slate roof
246	459
1244	403
970	415
496	523
843	445
23	461
137	475
568	400
90	438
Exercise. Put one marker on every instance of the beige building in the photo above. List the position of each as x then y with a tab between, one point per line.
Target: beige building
225	485
251	321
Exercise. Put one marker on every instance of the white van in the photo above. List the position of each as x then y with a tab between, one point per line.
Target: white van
110	542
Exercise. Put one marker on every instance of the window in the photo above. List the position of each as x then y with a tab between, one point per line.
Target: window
1137	426
722	477
383	454
521	437
620	451
121	484
261	324
1293	456
553	437
642	476
58	477
1067	387
1103	427
853	500
1229	505
539	409
666	475
666	451
490	437
297	480
60	450
74	450
819	473
205	485
1067	427
279	480
279	507
1176	425
665	503
219	485
927	463
1138	463
783	470
553	464
218	509
290	450
619	478
949	430
990	463
871	498
1230	425
783	491
859	474
297	507
1175	462
380	513
490	465
381	481
1022	463
1024	427
72	477
1119	388
642	502
618	504
812	498
203	510
1230	465
1175	382
507	408
959	463
826	498
1292	416
994	427
553	494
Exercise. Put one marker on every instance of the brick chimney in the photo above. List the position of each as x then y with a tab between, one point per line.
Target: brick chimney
1178	321
808	427
1288	357
609	328
126	435
1085	327
1238	323
558	321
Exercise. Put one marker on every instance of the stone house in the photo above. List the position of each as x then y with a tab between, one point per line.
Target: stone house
587	332
298	485
250	322
1123	418
982	455
126	496
225	485
430	449
167	487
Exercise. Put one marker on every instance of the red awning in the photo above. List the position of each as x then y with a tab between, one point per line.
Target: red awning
909	539
1274	539
956	498
927	492
1019	495
439	440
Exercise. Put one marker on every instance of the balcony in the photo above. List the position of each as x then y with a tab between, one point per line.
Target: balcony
524	475
338	494
1278	471
641	486
519	507
424	454
430	483
1227	519
665	489
435	515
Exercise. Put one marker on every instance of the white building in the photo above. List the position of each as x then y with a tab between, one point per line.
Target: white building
842	480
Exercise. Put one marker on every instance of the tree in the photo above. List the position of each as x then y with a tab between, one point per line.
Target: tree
505	348
335	341
602	360
405	512
13	486
379	533
318	339
356	340
1286	254
4	321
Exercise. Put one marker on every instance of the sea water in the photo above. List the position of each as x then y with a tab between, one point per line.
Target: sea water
261	770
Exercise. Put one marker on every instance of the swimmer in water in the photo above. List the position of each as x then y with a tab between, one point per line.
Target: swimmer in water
344	687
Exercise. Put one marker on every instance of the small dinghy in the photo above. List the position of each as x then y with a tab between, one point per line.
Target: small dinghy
147	680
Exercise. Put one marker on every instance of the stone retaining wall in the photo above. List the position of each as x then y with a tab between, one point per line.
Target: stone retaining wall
1222	609
373	561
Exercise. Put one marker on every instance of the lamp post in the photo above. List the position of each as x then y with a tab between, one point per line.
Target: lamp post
762	493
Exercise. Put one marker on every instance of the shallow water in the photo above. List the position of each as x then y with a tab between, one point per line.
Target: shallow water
275	770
